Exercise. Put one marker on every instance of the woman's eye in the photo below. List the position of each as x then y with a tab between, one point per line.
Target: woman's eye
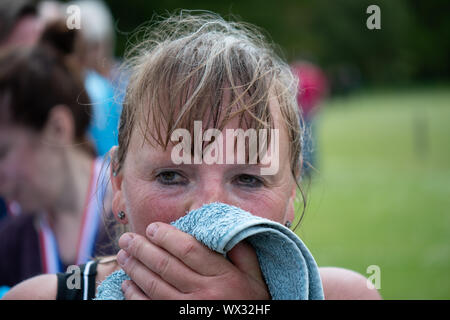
249	181
171	178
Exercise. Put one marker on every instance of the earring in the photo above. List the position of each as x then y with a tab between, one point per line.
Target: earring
121	215
288	224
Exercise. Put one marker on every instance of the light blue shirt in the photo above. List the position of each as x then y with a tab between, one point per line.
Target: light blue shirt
3	291
106	106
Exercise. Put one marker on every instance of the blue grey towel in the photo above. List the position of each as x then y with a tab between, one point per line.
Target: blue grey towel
287	265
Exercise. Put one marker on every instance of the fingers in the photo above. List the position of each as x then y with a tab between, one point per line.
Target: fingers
171	264
132	291
187	249
149	282
244	257
161	262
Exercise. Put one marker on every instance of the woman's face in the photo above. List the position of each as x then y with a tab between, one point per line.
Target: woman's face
150	187
26	168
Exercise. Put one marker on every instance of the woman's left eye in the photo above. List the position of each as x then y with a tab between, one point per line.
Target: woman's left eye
248	180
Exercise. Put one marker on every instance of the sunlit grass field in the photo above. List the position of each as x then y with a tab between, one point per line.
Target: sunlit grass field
382	193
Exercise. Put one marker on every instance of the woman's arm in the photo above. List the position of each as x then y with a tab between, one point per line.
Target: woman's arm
43	287
343	284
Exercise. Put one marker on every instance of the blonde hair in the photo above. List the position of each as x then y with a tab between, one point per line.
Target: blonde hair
187	63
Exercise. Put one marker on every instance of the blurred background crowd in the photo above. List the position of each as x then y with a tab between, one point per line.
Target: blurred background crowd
375	104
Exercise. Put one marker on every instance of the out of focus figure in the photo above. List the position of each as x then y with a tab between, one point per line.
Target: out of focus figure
19	23
19	26
104	82
47	164
313	88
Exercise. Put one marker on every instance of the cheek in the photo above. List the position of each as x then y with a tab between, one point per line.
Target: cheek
269	205
146	204
21	181
43	172
21	167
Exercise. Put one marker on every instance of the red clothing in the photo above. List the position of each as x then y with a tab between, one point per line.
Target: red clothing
313	87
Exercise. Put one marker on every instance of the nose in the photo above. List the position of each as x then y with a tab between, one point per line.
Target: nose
209	191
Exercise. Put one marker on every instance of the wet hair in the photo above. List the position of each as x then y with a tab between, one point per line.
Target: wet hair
181	72
197	66
33	80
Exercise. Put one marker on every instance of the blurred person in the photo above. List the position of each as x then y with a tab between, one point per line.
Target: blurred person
19	26
51	11
95	51
103	80
195	68
313	88
47	164
97	32
19	23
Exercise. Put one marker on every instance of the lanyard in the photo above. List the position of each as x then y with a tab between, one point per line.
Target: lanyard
51	262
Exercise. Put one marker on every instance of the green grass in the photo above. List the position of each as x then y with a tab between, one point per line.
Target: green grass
382	194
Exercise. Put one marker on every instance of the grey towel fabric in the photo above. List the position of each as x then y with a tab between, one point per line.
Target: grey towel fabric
288	267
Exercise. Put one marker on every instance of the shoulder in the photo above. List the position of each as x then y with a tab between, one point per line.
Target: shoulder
344	284
43	287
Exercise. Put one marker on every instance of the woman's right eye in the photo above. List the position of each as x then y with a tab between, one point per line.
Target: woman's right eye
171	178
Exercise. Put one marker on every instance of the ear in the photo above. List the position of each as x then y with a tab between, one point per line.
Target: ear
60	126
290	214
116	177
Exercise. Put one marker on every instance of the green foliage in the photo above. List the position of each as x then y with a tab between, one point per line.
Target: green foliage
413	43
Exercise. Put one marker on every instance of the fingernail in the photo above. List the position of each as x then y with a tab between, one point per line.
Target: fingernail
151	229
122	257
125	240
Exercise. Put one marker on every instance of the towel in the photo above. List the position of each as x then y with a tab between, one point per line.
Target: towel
288	267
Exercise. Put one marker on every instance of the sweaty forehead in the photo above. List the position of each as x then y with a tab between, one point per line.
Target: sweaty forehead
143	136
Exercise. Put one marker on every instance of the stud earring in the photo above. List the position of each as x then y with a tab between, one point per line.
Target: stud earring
288	224
121	215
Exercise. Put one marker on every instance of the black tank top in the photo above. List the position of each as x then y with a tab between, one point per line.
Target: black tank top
78	285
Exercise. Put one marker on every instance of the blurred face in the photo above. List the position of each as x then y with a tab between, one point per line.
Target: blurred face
26	31
25	168
150	187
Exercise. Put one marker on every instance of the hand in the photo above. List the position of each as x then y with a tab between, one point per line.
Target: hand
171	264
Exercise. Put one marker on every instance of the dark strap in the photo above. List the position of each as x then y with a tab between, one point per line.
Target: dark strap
78	283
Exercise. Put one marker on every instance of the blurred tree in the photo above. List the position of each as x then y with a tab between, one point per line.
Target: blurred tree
412	45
